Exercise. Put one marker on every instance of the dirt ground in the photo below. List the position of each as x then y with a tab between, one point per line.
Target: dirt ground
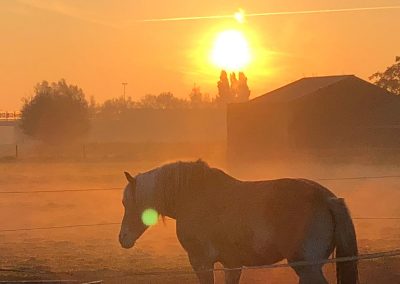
93	253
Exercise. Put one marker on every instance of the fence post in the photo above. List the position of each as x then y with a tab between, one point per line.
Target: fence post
84	151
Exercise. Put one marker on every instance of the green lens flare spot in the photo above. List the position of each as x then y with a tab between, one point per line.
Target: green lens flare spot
149	217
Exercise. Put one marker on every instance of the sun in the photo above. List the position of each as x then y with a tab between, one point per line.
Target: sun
231	51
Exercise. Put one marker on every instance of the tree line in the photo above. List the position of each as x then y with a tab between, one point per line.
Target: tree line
229	91
59	112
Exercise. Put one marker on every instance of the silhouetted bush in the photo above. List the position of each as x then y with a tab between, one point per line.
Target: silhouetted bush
58	113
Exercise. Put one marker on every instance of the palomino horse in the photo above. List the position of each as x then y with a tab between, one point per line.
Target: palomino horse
243	223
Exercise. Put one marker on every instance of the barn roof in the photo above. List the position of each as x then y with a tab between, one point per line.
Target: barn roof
300	88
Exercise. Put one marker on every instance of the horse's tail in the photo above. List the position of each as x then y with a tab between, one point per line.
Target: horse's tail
345	242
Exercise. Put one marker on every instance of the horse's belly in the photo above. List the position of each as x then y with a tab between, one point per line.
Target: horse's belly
248	255
249	244
256	247
268	254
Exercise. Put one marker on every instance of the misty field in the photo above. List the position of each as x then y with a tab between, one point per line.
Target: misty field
94	253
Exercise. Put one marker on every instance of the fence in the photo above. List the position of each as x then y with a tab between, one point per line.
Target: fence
51	281
368	256
10	115
118	151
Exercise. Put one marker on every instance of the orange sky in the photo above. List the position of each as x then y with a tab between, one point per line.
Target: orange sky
97	44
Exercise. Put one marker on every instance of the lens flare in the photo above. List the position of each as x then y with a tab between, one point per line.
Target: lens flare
239	16
149	217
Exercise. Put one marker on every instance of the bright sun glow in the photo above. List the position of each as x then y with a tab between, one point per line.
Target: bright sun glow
231	51
239	16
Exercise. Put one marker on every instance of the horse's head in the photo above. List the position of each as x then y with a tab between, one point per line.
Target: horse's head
132	226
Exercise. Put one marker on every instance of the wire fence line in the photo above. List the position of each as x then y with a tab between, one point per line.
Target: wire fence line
333	260
119	223
52	281
367	256
358	178
59	227
62	190
121	188
385	254
12	270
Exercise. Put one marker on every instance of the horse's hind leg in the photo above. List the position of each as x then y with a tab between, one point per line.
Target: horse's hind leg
310	274
232	276
317	245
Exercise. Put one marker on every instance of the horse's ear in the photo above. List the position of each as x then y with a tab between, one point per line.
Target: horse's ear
130	178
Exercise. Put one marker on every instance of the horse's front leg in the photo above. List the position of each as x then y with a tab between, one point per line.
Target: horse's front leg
203	268
232	276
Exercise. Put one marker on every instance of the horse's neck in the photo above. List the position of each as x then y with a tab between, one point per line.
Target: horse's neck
167	190
146	187
176	184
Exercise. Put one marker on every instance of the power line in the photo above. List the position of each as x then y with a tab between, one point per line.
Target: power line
124	86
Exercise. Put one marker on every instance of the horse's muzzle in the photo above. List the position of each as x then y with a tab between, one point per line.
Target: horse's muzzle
125	241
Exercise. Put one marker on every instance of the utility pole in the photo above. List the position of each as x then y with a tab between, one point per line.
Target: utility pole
124	85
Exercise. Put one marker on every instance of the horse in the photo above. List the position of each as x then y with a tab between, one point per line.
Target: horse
243	223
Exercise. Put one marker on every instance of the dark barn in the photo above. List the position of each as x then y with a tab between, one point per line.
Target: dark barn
314	117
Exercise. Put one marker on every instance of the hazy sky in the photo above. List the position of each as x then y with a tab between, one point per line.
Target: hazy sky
97	44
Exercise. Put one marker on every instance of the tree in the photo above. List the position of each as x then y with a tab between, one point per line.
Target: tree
235	90
390	79
57	114
164	100
243	91
93	106
196	98
234	85
116	106
225	95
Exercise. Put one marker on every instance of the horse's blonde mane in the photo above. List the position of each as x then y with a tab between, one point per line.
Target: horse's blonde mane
175	180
